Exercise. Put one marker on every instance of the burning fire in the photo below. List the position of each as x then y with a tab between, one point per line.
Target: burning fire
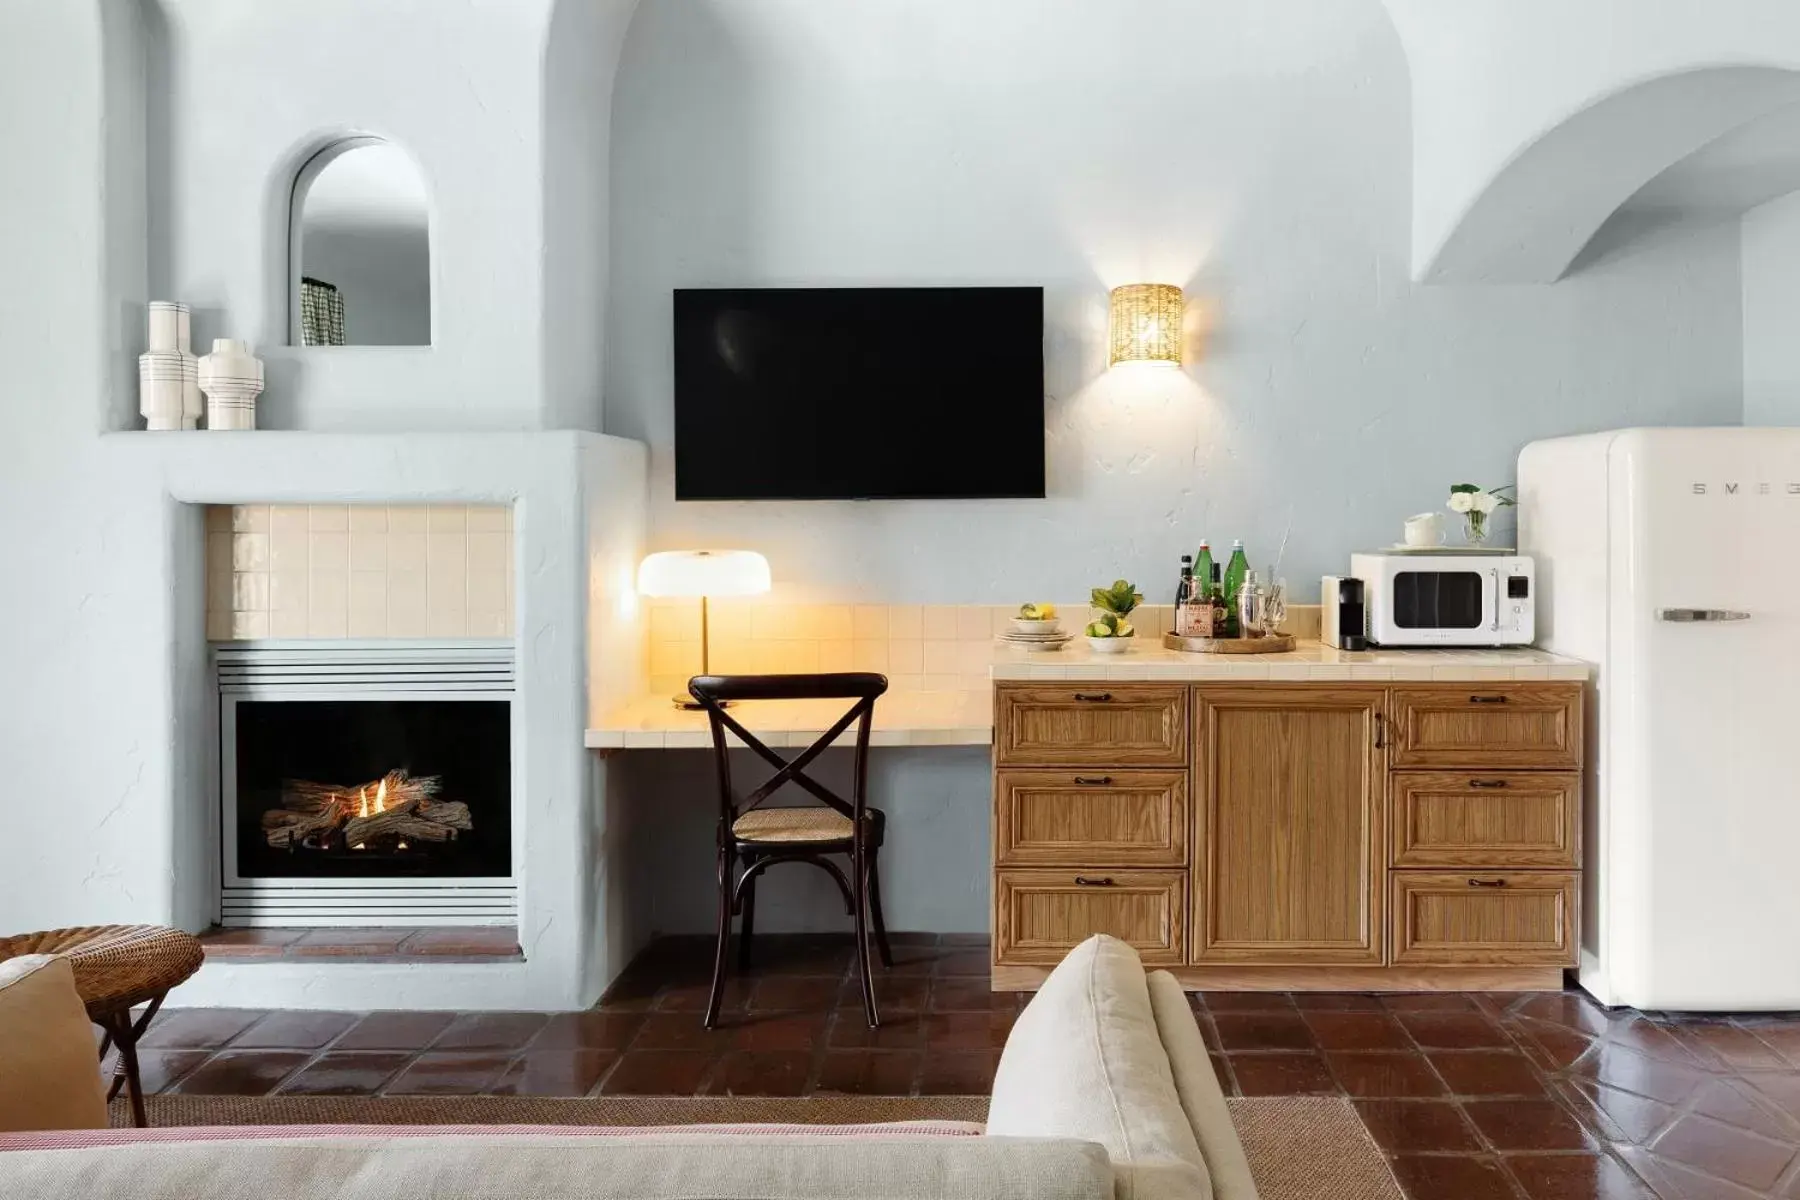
362	801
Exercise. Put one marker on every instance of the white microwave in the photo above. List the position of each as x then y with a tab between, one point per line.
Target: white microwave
1448	599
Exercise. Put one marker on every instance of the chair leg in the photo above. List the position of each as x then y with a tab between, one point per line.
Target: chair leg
720	955
747	928
859	868
881	937
124	1035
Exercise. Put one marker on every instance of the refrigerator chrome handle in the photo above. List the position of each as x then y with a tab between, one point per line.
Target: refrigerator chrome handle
1683	616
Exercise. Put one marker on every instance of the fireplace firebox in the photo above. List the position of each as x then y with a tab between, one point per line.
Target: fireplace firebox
366	783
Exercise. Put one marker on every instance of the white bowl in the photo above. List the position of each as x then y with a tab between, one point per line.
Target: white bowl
1110	645
1024	626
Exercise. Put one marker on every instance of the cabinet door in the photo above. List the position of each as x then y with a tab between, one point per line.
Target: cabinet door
1039	916
1093	818
1528	725
1460	819
1113	724
1516	918
1289	853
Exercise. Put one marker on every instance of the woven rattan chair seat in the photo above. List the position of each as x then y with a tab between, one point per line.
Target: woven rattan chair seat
792	825
116	966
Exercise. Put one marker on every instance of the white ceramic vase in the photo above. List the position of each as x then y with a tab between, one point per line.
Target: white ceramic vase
232	379
168	374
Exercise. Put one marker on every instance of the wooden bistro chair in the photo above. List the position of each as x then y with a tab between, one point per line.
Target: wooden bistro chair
758	838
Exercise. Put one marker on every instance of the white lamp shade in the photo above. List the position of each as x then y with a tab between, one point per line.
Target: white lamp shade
704	573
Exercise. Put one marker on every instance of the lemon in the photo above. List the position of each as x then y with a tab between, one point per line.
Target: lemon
1099	629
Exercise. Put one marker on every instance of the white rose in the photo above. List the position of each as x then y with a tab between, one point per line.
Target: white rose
1461	502
1486	502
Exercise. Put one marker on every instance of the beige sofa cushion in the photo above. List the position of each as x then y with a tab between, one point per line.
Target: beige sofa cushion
688	1167
1201	1097
49	1074
1085	1061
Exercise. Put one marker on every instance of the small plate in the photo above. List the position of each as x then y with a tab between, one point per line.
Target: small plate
1035	646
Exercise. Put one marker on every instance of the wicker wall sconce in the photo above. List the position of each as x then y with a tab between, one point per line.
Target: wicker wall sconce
1146	324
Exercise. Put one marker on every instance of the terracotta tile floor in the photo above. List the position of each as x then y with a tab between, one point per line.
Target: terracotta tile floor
1538	1097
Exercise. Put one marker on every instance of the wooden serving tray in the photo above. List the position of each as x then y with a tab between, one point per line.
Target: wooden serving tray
1277	643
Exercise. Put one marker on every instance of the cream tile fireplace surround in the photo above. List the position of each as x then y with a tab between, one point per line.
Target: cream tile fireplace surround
568	510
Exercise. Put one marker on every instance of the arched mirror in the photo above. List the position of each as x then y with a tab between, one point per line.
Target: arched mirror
361	249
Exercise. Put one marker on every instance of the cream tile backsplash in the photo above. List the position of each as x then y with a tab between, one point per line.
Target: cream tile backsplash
359	571
932	647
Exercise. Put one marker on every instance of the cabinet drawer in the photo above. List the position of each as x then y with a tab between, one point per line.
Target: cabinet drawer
1039	916
1516	918
1485	819
1487	725
1090	818
1101	723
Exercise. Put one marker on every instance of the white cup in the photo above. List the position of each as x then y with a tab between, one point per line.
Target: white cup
1425	529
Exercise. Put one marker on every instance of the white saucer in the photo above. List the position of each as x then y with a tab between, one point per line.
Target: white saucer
1403	548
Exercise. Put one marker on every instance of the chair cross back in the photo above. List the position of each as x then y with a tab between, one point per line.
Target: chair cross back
710	690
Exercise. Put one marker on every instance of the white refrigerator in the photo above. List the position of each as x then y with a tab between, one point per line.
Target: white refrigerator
1670	559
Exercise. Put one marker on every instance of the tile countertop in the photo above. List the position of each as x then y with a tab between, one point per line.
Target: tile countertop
966	718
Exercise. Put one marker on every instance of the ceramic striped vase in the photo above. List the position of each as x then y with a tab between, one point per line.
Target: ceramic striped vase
168	374
232	379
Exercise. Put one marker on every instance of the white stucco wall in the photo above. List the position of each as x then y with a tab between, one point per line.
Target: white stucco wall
1260	156
1772	313
82	702
459	86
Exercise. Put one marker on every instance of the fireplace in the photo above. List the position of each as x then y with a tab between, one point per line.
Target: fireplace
366	783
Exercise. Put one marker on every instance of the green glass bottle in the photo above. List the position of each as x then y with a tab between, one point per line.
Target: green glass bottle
1204	566
1235	571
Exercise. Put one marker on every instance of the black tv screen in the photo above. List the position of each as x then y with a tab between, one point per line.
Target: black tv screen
859	393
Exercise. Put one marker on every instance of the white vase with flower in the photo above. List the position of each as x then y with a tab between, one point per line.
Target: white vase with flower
1475	505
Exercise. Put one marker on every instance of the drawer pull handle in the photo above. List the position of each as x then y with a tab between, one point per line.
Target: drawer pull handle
1493	883
1487	783
1093	780
1103	881
1094	697
1487	699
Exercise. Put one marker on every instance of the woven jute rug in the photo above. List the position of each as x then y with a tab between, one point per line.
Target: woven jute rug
1300	1148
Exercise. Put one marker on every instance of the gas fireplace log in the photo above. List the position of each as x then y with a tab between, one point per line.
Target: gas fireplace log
403	792
364	830
283	829
453	813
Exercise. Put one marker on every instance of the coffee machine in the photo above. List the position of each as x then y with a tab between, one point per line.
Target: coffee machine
1344	621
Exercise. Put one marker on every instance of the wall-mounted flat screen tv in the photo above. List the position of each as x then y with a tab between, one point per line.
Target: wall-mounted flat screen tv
859	393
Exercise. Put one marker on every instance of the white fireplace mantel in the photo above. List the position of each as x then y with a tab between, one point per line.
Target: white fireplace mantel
578	503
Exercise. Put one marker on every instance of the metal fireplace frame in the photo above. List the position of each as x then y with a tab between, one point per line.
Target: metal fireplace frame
388	669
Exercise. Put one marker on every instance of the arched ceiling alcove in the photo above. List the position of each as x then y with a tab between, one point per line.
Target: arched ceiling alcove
1534	121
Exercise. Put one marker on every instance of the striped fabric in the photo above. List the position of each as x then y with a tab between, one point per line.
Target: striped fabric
81	1139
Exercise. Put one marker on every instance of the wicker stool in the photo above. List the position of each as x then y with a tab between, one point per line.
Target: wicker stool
116	968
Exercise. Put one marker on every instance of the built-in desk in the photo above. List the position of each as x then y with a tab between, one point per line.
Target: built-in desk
966	718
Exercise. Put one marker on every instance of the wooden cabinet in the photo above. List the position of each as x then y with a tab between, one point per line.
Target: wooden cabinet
1340	836
1120	725
1095	818
1040	915
1485	819
1514	918
1289	849
1496	725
